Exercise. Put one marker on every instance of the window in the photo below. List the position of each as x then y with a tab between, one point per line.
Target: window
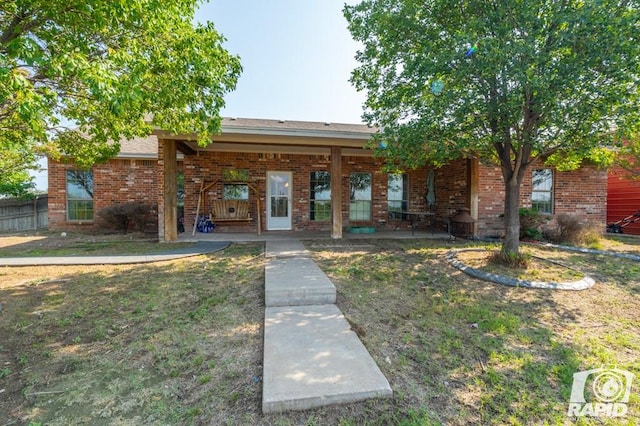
360	196
234	189
542	191
397	196
320	196
79	195
238	175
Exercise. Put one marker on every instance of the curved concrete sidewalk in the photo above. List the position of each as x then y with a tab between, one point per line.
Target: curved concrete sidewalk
200	247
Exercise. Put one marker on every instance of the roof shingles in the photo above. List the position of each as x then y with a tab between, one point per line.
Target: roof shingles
145	147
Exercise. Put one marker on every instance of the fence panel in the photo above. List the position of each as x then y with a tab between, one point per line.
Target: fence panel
24	215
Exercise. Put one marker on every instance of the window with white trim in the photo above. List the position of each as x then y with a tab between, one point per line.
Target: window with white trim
79	195
360	197
320	196
542	191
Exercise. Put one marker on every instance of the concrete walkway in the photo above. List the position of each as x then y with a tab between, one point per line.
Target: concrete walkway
200	247
312	358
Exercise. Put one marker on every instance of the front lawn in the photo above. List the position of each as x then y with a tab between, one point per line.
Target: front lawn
180	342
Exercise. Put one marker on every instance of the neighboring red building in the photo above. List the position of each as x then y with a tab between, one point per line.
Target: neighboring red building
623	199
298	176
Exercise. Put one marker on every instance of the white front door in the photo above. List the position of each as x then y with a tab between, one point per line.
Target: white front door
278	200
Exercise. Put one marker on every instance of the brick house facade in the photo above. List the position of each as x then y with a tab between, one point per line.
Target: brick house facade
297	149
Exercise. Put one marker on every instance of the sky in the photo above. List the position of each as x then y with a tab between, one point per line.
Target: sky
297	57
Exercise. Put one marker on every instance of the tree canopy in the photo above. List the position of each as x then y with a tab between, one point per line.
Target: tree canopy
628	157
508	81
77	76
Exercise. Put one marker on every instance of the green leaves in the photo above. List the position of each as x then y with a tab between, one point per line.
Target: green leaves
551	76
77	76
545	80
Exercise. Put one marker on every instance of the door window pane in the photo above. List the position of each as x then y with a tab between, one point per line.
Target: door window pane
279	186
279	207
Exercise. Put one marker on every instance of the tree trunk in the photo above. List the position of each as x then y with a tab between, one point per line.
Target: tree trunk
511	242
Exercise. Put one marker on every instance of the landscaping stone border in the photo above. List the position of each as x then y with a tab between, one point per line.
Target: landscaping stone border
590	251
451	257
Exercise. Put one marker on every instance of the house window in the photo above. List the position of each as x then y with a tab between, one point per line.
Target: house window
320	196
79	195
237	175
235	191
397	196
235	188
542	191
359	197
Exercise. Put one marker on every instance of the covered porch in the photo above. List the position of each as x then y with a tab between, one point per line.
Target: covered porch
302	177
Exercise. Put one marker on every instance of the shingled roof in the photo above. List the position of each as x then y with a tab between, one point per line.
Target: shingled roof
148	147
139	147
257	123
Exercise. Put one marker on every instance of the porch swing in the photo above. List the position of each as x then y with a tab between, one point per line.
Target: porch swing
225	210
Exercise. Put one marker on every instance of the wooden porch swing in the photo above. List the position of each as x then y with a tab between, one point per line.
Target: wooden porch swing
227	210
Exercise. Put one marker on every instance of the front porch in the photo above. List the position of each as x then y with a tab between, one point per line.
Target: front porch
241	237
304	178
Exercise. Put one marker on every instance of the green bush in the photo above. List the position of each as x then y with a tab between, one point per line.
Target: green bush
530	222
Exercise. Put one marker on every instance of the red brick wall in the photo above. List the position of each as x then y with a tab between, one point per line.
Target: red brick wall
209	166
118	181
581	192
451	188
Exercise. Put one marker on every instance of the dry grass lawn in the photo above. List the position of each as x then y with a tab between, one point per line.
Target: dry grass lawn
180	342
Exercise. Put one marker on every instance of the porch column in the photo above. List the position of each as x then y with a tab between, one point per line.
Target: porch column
170	191
473	189
336	192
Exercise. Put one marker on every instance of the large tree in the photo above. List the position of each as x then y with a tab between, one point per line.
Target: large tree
76	76
628	157
510	81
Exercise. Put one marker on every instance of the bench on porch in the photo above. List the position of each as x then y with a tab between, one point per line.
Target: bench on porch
230	211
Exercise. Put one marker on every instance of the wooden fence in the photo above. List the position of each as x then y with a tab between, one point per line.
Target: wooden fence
24	215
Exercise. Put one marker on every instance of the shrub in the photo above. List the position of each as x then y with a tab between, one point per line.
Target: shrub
122	217
573	230
530	222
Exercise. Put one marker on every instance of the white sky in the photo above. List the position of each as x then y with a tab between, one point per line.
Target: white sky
297	57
